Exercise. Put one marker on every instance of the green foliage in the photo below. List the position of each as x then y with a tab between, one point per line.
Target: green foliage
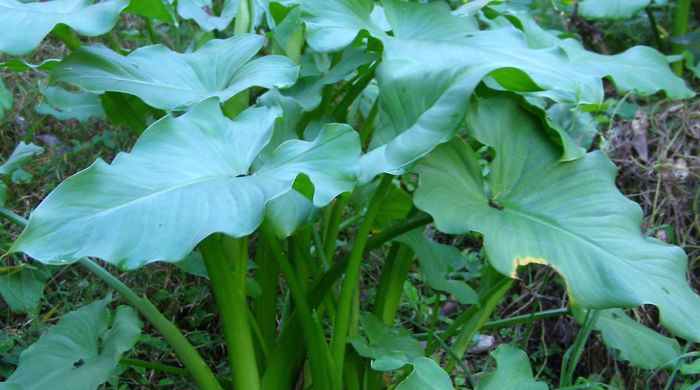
197	163
190	78
79	352
29	23
513	372
634	342
63	104
344	128
599	252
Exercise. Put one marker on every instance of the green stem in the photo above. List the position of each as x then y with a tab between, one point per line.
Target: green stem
153	366
476	321
189	356
680	27
232	314
573	355
286	354
341	110
242	22
319	355
152	36
676	367
341	325
398	229
13	217
655	29
265	305
366	128
472	319
506	322
394	273
333	227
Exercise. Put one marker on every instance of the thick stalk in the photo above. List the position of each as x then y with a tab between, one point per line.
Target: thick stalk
319	355
333	227
242	23
233	315
680	27
573	355
352	274
394	274
286	356
265	304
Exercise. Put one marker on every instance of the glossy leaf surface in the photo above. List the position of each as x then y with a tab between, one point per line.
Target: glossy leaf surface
435	59
221	68
24	25
185	178
534	208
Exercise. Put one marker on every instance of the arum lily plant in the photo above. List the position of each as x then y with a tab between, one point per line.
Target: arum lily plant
303	135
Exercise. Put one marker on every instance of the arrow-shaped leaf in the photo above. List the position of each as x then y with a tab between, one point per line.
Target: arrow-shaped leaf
23	25
185	178
170	80
534	208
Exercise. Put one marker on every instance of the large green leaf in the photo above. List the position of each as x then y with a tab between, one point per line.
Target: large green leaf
185	178
513	372
435	59
610	9
202	11
63	104
24	25
220	68
333	25
79	352
23	288
534	208
394	348
634	342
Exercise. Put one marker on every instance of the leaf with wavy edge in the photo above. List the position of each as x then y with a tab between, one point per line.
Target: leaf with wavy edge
634	342
513	371
221	68
610	9
534	208
431	68
63	104
201	11
24	25
185	178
